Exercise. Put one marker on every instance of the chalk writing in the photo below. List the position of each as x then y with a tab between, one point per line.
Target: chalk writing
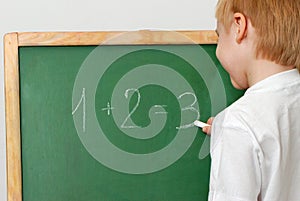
133	110
189	108
126	123
83	101
108	108
162	112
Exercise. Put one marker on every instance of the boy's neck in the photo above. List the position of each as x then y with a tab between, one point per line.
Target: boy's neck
261	69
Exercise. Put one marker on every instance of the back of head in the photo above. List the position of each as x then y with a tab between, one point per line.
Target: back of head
277	26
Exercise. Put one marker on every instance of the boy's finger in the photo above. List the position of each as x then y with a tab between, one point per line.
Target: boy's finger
207	130
210	120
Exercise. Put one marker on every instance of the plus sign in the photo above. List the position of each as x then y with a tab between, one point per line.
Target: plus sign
108	108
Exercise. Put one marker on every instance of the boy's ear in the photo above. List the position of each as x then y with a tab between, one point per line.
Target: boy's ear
240	23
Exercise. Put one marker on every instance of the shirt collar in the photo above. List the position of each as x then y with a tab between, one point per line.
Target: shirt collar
276	81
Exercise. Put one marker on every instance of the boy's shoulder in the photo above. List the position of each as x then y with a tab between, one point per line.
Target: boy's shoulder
273	93
262	110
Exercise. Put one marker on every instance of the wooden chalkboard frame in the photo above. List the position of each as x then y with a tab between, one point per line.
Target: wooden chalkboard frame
12	42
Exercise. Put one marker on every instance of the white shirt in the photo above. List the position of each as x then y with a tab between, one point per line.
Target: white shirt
255	143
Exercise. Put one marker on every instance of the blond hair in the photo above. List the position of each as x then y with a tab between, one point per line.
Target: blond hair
277	25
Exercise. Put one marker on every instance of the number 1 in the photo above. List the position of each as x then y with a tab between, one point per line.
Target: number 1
82	100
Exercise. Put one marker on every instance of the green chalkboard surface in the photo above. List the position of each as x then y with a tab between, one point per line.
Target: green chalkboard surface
115	123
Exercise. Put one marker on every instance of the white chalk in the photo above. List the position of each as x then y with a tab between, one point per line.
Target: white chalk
200	124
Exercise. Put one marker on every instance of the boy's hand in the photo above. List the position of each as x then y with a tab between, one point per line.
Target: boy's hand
207	129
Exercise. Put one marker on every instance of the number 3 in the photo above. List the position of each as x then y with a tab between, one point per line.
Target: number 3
190	108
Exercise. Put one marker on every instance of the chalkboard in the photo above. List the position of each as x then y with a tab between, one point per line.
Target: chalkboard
109	115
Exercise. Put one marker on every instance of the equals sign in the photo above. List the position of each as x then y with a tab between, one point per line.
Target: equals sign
161	106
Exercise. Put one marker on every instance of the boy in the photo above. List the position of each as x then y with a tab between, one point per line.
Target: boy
255	142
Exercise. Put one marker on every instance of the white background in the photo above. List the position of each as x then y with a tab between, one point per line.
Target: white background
95	15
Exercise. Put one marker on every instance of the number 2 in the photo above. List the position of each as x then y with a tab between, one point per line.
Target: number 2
133	110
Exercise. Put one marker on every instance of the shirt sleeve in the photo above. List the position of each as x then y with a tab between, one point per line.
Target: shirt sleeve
235	170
